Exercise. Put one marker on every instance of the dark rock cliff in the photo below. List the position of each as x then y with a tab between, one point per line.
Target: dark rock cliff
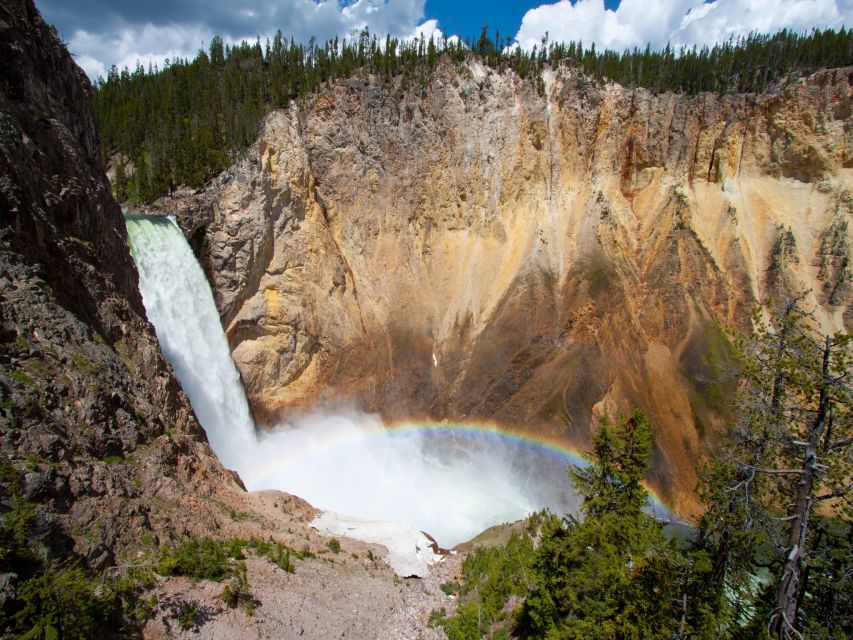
95	431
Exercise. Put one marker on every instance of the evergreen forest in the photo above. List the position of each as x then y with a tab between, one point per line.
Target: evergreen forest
186	122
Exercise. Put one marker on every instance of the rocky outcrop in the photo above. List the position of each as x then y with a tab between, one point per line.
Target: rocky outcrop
95	432
468	250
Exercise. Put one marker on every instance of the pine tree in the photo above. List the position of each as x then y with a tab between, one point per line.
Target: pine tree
120	181
614	574
788	453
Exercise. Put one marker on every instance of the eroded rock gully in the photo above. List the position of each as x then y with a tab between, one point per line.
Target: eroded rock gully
469	250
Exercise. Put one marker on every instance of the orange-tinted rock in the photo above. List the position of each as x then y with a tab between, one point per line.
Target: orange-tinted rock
469	250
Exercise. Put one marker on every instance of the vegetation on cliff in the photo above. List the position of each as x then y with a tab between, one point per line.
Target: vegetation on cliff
49	596
46	596
182	124
771	555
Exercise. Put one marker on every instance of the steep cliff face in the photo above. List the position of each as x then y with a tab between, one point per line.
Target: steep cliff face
95	432
470	250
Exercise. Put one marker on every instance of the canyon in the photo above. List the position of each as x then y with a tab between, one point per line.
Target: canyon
458	250
466	250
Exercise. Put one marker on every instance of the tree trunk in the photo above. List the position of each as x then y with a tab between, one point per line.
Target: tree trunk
723	548
784	618
722	551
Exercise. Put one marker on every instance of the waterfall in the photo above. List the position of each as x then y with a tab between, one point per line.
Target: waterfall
180	305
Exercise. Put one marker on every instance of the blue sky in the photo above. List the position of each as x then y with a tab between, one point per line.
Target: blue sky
466	18
102	33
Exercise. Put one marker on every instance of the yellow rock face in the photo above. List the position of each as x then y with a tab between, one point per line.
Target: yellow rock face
471	250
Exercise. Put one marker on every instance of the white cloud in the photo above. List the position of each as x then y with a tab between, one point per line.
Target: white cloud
681	22
429	29
115	31
93	67
123	42
126	47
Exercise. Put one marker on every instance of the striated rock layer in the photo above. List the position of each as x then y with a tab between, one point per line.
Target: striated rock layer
470	250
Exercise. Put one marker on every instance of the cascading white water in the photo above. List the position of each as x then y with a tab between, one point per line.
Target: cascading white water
180	305
449	482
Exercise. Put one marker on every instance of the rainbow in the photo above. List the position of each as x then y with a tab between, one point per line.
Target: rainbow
557	450
542	443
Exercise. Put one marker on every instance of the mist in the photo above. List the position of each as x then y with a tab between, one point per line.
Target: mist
449	482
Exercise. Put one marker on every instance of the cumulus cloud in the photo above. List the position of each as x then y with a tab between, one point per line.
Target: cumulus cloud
105	32
636	23
429	29
129	46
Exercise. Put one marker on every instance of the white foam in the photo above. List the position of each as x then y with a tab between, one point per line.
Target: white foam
179	304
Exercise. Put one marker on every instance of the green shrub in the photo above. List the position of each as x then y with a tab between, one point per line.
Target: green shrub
188	616
58	599
450	588
204	559
82	364
208	559
62	602
127	589
490	577
438	618
24	378
236	592
277	553
234	548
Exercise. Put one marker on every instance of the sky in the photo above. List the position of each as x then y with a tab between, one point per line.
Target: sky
102	33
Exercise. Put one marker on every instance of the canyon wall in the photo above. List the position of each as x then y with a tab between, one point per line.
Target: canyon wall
466	249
